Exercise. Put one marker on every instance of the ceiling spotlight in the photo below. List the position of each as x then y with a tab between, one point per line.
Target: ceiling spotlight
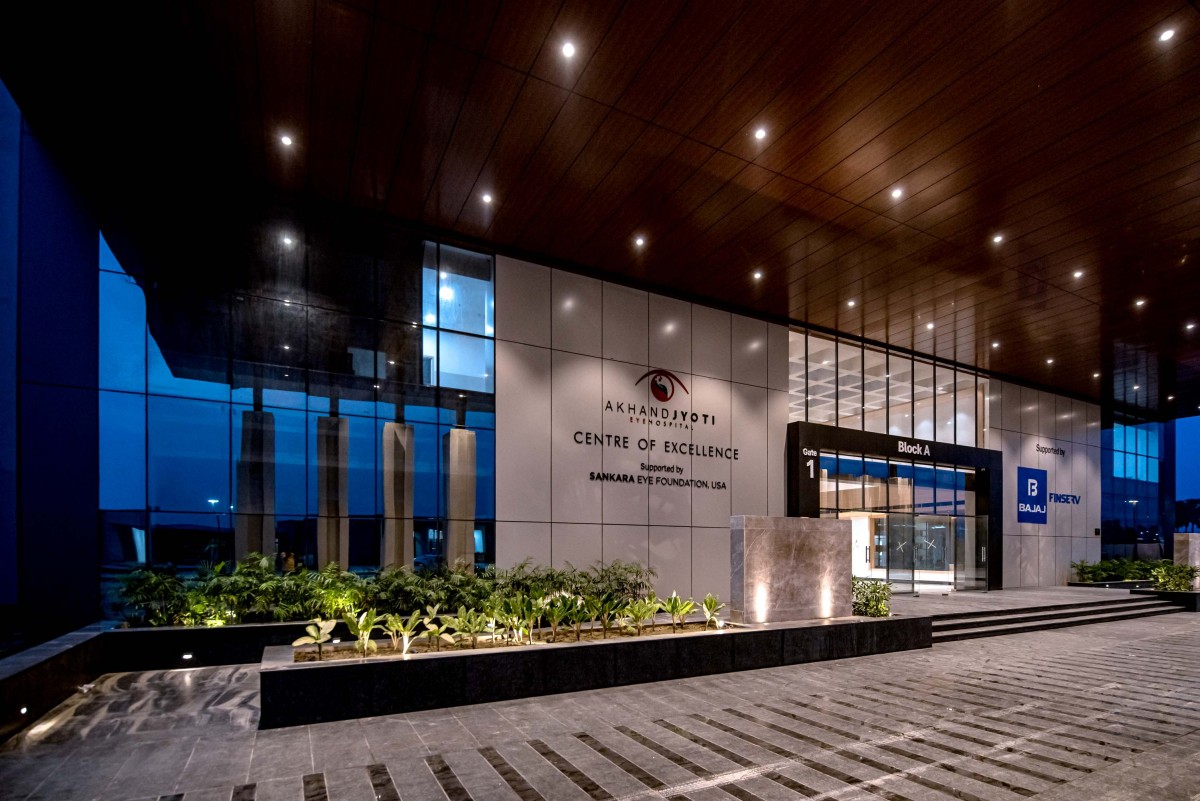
1095	375
1078	273
1139	302
995	345
761	133
1170	397
929	326
568	50
391	361
850	304
287	140
897	193
1049	361
487	198
1190	326
287	347
287	240
1136	387
1166	35
998	238
758	275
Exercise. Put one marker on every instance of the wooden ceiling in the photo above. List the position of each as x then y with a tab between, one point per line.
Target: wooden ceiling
1067	127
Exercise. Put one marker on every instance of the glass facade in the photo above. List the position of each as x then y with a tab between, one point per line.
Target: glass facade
1132	524
843	383
372	327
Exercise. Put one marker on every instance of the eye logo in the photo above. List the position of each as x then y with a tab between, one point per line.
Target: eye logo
662	384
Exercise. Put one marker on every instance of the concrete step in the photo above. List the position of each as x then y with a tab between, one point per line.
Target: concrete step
1000	627
1030	609
1035	614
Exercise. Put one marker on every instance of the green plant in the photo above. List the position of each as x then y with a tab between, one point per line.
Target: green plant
711	608
1088	571
319	632
678	609
1170	577
153	596
401	629
579	612
436	629
871	598
361	628
558	609
604	608
641	610
467	623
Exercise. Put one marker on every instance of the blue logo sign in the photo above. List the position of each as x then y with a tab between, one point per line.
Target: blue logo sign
1031	495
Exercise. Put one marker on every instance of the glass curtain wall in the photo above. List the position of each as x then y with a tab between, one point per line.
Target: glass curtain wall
843	383
365	327
1132	452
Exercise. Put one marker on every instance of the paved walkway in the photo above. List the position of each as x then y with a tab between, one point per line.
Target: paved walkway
940	603
1093	713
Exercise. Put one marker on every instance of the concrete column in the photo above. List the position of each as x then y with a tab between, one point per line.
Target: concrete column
1187	552
333	486
458	452
397	546
254	526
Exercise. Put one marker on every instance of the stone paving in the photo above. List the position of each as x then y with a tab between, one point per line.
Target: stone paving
1100	712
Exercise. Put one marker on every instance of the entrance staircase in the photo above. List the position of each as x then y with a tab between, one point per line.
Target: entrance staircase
969	625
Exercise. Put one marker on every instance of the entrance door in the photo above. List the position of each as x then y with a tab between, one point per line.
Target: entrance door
933	550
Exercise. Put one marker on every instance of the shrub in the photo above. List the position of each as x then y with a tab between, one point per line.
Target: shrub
1170	577
871	598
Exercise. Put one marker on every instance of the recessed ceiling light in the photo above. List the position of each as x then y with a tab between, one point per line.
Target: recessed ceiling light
758	275
487	198
1078	273
287	347
287	240
761	133
287	140
897	193
1170	397
568	49
1095	375
1166	35
1190	326
1049	361
391	361
1139	302
998	238
929	326
446	293
995	344
430	318
850	304
1136	387
641	240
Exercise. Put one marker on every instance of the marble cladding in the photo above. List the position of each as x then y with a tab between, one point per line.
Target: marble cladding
788	568
572	354
1187	552
1021	420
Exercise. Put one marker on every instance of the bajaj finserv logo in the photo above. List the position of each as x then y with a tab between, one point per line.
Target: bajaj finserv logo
1031	495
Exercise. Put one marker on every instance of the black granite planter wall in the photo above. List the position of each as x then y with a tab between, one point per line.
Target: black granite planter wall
1188	600
299	693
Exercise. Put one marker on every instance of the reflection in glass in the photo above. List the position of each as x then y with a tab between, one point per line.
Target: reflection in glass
189	455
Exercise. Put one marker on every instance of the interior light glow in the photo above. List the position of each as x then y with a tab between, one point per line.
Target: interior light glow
287	240
187	656
487	329
641	240
287	347
850	304
1136	387
1166	35
897	193
758	275
487	198
995	344
929	326
1139	302
1095	375
1049	361
430	319
761	133
391	361
1170	397
446	293
287	140
24	710
998	238
1078	273
568	49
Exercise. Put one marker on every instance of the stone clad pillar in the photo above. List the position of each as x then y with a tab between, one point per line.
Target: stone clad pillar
1187	552
458	451
333	496
254	521
398	456
789	568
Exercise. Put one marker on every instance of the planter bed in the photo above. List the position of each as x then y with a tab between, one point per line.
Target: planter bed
1188	600
1113	585
299	693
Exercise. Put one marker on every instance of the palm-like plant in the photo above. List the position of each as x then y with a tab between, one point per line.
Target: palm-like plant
578	613
401	629
319	631
468	623
558	609
361	628
606	609
711	607
678	609
641	610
